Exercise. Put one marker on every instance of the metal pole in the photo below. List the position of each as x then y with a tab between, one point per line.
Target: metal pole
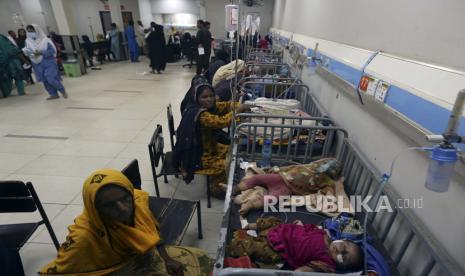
234	92
456	115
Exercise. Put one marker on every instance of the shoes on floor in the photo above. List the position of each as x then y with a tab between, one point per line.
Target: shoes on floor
65	95
53	98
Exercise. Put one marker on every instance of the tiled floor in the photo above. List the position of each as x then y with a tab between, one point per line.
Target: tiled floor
129	106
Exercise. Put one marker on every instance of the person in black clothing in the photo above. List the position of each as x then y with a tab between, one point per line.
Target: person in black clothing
156	45
21	42
221	58
89	49
203	41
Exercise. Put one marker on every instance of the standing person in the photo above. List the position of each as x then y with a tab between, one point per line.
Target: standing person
21	41
203	41
157	48
10	67
132	43
221	59
88	47
12	37
140	36
114	42
42	52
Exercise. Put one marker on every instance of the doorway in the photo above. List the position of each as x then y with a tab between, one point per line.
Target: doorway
105	19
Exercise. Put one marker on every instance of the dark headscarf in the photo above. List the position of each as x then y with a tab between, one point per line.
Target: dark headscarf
188	151
21	40
189	97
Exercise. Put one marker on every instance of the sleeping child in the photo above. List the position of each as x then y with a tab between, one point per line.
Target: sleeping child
318	178
304	247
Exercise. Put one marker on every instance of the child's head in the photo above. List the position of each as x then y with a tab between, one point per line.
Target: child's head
346	254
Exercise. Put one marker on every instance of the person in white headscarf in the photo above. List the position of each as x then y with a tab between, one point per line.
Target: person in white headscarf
140	36
42	52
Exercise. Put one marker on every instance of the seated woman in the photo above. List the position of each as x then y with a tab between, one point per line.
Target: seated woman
197	147
117	235
304	247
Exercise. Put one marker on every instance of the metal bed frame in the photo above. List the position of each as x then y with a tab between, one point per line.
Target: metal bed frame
267	68
285	88
393	234
260	55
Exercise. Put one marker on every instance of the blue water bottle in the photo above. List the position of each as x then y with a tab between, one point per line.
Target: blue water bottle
266	154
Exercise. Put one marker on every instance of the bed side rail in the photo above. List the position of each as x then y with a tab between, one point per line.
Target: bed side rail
401	232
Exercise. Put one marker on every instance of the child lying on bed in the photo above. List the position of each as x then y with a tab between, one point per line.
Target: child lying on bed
321	177
304	247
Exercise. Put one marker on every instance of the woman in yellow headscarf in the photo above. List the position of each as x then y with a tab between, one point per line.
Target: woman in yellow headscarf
117	235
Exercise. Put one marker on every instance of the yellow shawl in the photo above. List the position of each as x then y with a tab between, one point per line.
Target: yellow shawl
97	248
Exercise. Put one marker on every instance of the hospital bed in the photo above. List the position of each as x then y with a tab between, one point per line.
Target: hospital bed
408	248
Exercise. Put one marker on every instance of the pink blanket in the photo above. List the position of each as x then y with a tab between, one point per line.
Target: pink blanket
299	245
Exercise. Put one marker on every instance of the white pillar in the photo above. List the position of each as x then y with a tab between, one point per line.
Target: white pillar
145	11
61	10
116	16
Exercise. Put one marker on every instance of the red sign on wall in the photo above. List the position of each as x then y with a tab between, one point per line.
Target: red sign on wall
106	7
364	83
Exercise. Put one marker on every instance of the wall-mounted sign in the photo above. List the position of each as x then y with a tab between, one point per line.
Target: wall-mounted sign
122	7
364	83
368	84
381	91
106	7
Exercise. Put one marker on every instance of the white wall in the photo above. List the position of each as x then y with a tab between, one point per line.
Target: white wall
91	8
32	12
7	9
145	10
181	19
175	6
216	15
426	30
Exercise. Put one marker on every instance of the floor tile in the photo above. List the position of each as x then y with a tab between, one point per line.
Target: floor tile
28	145
109	135
60	224
48	187
144	166
102	129
35	255
89	148
61	165
211	225
11	162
